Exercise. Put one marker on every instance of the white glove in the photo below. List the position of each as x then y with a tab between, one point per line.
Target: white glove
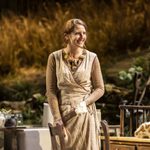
81	108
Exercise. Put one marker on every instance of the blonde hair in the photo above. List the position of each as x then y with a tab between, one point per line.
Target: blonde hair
70	26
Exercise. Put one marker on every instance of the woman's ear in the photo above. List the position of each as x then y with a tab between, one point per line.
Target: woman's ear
66	38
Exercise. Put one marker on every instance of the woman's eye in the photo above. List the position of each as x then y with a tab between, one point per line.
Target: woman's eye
77	33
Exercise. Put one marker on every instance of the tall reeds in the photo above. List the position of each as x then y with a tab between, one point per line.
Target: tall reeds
114	28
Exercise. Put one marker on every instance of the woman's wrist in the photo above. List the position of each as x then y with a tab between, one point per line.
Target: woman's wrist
58	122
85	99
86	102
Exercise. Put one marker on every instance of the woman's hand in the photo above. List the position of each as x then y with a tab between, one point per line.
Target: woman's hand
60	126
81	108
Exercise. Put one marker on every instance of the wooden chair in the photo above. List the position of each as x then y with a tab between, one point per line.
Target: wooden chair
133	120
56	138
105	129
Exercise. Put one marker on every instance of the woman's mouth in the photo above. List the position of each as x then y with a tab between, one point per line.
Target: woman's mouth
80	41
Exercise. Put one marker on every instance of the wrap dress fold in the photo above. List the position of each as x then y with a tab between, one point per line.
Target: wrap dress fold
70	90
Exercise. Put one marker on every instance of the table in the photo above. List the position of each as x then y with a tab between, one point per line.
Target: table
26	138
37	138
10	142
127	143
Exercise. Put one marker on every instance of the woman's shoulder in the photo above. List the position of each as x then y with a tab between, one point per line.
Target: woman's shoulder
91	53
56	52
54	55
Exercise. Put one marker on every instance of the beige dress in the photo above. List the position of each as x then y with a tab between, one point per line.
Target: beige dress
66	89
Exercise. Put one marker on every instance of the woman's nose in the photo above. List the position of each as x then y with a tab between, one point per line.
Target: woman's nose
81	35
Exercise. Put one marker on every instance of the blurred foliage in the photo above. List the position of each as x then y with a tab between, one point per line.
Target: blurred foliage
137	78
124	90
109	103
115	28
128	75
23	84
33	110
140	65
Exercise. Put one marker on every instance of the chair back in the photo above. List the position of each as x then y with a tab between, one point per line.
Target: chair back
105	128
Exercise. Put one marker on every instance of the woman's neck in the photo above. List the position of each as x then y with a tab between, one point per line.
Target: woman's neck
74	52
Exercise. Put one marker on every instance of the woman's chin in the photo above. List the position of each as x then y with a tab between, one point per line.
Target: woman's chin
80	45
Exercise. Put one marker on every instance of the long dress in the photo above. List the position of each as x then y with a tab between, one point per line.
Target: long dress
67	91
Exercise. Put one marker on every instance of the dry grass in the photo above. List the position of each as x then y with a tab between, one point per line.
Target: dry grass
113	29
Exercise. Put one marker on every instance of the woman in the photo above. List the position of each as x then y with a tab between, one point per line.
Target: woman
73	83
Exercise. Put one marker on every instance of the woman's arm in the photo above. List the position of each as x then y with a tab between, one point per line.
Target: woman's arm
97	82
51	88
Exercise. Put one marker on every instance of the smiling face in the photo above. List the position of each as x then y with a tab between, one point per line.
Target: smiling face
75	33
77	37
